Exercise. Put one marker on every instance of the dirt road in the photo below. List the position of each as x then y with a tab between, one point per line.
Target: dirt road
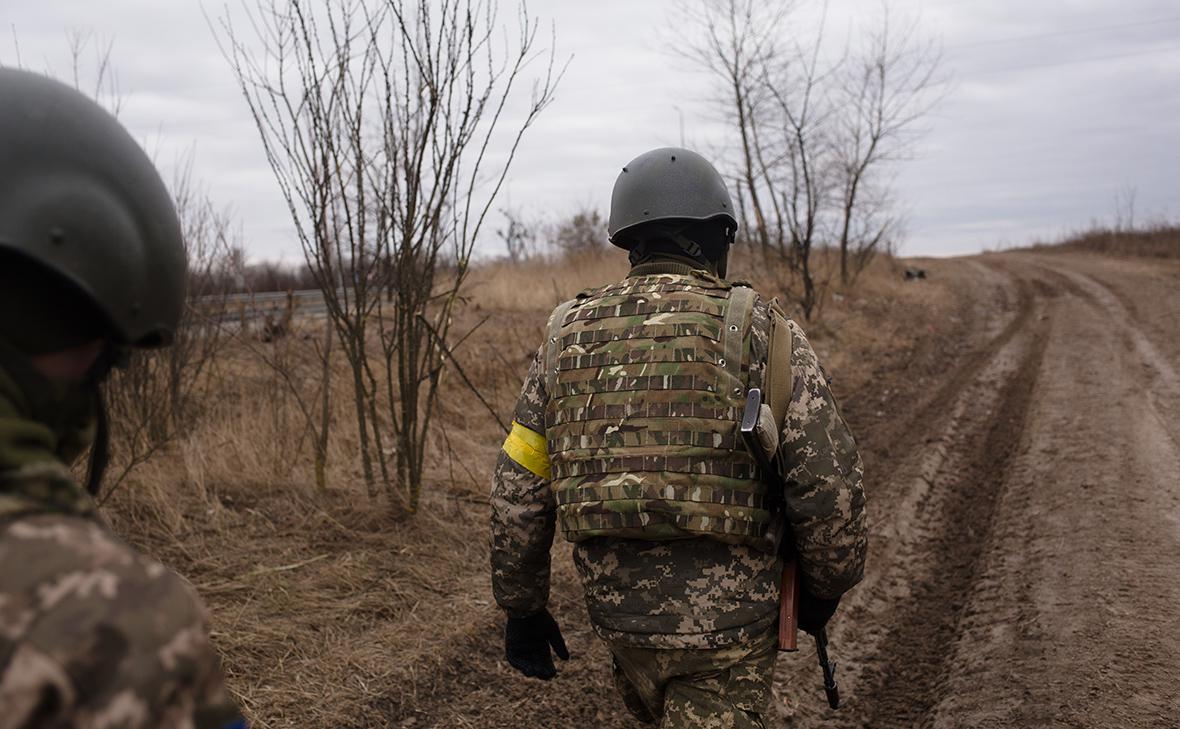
1027	516
1024	468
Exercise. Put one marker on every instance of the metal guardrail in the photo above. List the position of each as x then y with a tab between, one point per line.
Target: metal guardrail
260	297
249	307
252	306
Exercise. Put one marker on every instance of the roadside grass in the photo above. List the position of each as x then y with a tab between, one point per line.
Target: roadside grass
1161	240
326	604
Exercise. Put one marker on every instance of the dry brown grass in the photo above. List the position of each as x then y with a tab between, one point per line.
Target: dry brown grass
1158	241
329	610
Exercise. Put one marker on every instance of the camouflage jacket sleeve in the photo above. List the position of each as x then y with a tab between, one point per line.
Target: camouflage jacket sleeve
92	634
825	501
523	509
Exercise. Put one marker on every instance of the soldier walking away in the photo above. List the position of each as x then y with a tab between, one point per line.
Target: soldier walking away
92	634
626	434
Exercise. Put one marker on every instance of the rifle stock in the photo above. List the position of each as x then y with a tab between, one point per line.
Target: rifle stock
788	606
789	586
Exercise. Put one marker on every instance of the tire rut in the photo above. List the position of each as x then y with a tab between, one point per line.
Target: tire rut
959	517
901	629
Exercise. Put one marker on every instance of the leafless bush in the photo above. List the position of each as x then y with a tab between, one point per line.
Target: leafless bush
518	234
815	132
582	232
1160	239
96	77
377	117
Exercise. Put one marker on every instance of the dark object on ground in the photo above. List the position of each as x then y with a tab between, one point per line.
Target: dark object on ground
913	273
527	642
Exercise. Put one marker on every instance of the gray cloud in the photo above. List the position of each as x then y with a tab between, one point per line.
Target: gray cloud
1053	109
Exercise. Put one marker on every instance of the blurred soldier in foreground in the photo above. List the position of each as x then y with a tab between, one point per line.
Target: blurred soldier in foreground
626	435
92	634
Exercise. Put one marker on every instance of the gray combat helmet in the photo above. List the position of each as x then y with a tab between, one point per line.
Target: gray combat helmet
80	198
669	183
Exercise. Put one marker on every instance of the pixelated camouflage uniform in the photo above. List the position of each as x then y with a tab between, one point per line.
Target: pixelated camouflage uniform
663	605
92	634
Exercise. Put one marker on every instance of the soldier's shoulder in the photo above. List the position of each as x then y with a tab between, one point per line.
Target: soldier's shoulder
67	579
796	330
45	486
96	625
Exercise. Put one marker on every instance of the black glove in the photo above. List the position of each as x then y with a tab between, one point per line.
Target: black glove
815	612
527	642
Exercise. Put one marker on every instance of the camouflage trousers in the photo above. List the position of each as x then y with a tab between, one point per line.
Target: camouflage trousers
718	688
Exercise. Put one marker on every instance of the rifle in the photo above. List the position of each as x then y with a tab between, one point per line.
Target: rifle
829	668
761	438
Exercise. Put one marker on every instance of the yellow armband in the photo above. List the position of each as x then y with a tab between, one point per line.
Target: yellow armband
528	448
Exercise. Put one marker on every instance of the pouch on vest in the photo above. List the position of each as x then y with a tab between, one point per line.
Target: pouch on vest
646	382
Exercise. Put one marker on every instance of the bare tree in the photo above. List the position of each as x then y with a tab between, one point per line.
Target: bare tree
519	235
776	96
582	232
1124	209
293	367
883	92
815	130
739	40
103	84
794	144
377	117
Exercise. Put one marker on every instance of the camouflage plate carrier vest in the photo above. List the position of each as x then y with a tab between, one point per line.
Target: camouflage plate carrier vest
647	381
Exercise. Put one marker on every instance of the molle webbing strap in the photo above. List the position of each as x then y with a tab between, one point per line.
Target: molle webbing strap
688	493
553	344
647	391
640	286
699	465
617	438
631	384
598	336
636	308
578	526
635	356
737	320
647	410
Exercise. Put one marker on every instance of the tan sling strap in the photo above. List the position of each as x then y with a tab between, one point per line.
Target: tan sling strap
737	321
778	385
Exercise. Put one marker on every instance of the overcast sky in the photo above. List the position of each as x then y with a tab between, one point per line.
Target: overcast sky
1054	110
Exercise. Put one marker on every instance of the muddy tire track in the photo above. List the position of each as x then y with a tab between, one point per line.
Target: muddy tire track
934	495
956	522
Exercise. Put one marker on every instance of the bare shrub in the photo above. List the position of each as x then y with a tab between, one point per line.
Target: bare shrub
883	92
518	234
1156	240
816	131
377	118
582	232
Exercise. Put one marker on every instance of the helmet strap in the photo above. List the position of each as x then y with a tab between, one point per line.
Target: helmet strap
689	246
100	451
